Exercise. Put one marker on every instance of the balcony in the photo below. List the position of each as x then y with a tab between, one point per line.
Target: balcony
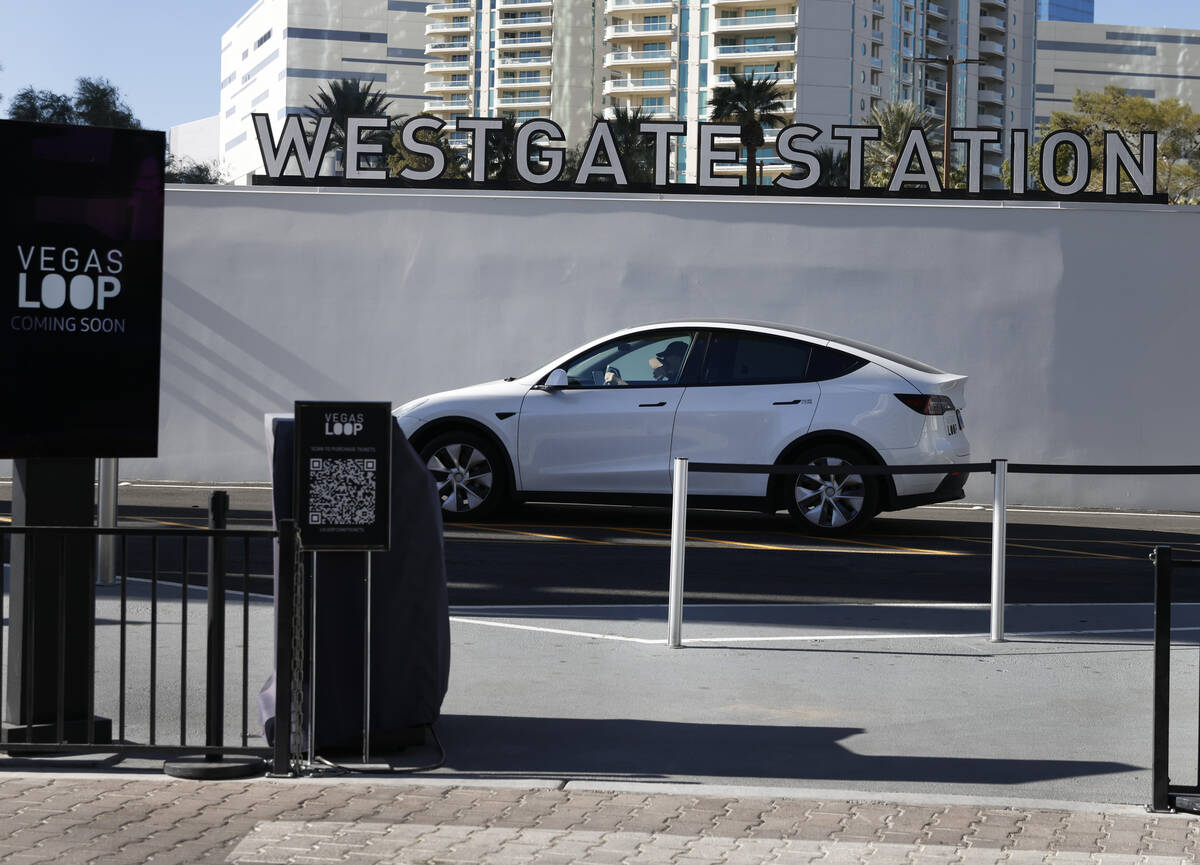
987	22
449	9
637	31
993	73
447	86
756	52
460	27
448	47
935	36
447	66
516	23
993	147
617	6
524	4
877	62
992	170
877	36
935	10
441	107
1003	4
992	97
524	62
935	86
511	82
745	3
991	121
662	57
539	41
753	23
541	101
623	86
875	89
785	78
877	8
936	112
987	46
655	112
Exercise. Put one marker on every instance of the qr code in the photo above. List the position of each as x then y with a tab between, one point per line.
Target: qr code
341	492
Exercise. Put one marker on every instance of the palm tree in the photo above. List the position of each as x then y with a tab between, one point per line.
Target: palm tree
502	151
895	121
351	98
751	103
634	146
835	166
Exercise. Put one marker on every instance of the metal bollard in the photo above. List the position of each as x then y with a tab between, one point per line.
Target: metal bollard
106	503
678	548
1160	799
281	763
218	510
999	539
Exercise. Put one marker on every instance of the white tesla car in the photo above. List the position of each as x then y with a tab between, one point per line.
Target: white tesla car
603	423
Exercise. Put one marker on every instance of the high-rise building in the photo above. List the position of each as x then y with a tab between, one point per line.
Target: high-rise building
834	61
281	52
1154	62
1067	10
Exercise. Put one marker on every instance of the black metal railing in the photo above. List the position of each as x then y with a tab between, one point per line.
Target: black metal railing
130	630
1166	796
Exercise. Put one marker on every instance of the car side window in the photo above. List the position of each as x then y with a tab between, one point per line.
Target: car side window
639	360
828	363
746	358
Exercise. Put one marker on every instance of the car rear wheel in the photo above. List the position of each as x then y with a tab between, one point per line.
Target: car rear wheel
830	504
468	472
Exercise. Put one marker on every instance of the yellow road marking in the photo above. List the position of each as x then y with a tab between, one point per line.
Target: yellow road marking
538	535
1083	554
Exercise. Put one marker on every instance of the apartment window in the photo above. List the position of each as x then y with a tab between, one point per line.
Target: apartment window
245	53
702	102
529	55
759	13
461	21
530	36
655	49
526	115
655	22
654	76
528	75
528	94
526	16
459	79
261	39
460	58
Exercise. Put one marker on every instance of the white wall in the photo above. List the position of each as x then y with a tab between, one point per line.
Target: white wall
1076	323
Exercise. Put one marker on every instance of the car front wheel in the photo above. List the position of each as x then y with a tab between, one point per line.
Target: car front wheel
831	504
468	472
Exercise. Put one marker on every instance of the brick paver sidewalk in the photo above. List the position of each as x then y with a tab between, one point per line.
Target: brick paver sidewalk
118	819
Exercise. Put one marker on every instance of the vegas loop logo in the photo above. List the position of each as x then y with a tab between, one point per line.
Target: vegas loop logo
54	283
343	423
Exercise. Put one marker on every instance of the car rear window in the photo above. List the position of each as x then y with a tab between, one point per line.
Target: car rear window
827	363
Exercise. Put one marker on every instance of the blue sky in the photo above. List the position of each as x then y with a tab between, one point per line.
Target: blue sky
163	55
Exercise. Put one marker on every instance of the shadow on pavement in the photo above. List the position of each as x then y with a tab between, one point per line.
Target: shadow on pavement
634	750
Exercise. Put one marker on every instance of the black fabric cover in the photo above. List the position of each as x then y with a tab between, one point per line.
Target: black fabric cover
410	623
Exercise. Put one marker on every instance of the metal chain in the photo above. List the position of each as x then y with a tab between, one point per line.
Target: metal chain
298	619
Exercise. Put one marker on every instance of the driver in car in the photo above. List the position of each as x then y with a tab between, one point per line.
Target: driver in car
664	366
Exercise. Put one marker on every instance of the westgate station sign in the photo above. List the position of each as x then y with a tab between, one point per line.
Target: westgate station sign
544	139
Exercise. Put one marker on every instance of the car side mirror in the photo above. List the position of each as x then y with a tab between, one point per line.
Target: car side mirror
557	380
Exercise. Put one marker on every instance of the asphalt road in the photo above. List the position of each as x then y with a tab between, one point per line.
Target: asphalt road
542	554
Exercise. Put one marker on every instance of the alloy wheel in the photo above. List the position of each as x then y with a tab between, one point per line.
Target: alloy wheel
463	475
830	501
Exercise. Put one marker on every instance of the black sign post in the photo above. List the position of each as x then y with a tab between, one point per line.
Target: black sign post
343	503
81	234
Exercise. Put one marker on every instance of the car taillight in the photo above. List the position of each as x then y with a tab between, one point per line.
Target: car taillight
922	404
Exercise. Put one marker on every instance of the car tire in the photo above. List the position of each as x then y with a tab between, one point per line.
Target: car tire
468	472
831	504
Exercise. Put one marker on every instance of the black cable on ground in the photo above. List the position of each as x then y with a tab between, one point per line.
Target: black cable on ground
391	770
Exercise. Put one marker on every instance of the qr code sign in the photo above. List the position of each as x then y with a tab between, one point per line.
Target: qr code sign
341	492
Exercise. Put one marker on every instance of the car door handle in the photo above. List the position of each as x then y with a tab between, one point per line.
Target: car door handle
651	404
787	402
